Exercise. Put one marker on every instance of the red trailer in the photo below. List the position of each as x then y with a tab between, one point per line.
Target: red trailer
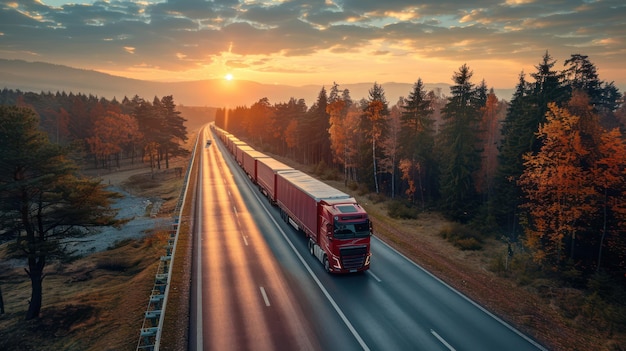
267	168
250	159
239	148
338	228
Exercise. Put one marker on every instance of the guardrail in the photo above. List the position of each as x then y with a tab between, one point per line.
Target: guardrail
152	327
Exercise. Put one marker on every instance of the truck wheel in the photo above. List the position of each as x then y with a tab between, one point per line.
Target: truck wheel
326	265
311	247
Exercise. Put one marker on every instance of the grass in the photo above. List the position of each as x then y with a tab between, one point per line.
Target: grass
96	302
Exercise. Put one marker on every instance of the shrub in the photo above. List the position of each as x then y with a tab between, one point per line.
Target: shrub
113	264
461	236
352	185
468	244
402	210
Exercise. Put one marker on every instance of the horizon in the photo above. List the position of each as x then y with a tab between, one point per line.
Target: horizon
299	44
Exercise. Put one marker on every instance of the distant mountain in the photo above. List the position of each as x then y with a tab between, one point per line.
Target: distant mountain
45	77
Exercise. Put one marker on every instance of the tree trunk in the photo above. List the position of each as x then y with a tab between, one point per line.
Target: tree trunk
35	273
603	232
1	303
374	162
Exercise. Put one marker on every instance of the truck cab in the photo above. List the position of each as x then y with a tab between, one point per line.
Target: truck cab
346	240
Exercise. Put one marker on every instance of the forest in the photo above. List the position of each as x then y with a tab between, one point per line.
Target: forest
106	132
545	172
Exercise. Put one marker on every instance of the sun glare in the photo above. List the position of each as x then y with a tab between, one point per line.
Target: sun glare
228	77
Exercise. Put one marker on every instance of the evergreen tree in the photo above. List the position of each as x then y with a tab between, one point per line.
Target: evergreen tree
417	139
42	199
527	111
514	143
458	143
175	128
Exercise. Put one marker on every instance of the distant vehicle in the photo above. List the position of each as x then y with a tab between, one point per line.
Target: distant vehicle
208	142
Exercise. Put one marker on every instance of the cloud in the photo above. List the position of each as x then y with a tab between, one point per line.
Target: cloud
178	35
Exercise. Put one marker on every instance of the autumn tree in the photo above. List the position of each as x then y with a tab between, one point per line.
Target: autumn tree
42	198
558	189
292	110
111	134
374	127
609	175
391	147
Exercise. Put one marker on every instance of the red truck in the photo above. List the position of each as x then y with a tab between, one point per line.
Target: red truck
337	227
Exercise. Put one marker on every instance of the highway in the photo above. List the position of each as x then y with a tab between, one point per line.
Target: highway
256	287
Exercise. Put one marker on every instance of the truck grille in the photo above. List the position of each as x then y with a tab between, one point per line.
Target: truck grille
353	257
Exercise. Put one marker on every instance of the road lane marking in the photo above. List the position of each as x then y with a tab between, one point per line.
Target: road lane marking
244	236
267	301
442	340
369	271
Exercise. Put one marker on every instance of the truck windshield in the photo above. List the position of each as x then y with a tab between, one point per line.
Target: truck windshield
347	230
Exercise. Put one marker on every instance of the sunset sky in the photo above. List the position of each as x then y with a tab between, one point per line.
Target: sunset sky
316	41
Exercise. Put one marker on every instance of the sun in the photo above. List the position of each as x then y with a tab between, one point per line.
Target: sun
228	76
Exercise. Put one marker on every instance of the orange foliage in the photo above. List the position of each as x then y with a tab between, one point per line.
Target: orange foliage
558	189
110	133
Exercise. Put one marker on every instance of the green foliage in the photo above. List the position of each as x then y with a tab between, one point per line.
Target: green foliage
462	236
459	155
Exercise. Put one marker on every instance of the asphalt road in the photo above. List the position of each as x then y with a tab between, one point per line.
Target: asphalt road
257	288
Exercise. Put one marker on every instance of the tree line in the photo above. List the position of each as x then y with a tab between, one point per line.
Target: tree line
547	169
108	131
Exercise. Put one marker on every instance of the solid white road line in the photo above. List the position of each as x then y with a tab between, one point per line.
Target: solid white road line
369	271
442	340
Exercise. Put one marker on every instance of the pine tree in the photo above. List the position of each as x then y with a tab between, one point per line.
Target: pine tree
458	143
42	199
417	141
526	112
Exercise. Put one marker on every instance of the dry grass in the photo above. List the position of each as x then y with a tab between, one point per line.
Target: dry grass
96	302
